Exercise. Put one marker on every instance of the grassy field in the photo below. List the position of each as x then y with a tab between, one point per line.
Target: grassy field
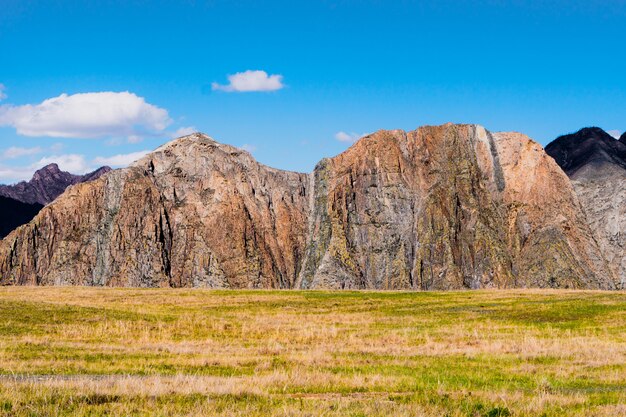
81	351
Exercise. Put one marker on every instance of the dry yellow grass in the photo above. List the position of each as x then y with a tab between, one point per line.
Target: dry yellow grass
86	351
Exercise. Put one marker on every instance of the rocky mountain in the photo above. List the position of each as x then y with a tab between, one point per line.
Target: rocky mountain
442	207
14	213
589	150
47	184
596	164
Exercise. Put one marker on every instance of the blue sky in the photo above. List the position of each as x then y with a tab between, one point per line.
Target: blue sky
331	69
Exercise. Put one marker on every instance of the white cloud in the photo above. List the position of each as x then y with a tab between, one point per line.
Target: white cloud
115	141
348	137
76	164
86	115
120	160
16	152
14	174
183	131
57	147
134	139
3	95
615	133
251	81
248	148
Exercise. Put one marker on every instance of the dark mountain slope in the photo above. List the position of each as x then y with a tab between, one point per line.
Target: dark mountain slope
14	213
589	147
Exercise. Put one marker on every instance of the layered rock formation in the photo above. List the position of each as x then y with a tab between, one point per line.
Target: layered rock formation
596	164
443	207
47	184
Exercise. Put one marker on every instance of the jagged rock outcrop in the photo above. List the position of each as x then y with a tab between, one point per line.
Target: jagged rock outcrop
442	207
14	213
596	164
47	184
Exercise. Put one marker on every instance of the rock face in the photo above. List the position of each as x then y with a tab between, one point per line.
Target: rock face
596	164
192	213
14	213
47	184
548	229
443	207
417	210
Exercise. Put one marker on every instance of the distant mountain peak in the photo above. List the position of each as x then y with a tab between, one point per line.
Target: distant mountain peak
593	130
53	167
589	146
48	170
47	184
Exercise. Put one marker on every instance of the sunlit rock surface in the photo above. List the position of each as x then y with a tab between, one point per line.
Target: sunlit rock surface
443	207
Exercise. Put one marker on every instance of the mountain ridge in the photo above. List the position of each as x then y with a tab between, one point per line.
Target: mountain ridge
46	184
441	207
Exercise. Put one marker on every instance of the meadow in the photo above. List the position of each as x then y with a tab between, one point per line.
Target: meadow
164	352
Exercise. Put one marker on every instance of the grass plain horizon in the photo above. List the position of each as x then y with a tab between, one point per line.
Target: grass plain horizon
488	353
